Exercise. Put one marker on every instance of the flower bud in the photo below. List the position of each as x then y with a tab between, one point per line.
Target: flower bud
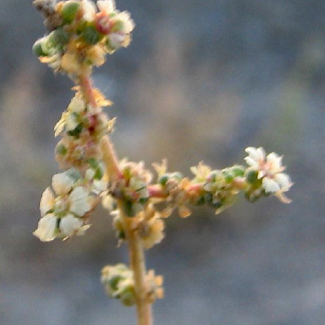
59	38
37	48
163	179
251	176
69	11
91	35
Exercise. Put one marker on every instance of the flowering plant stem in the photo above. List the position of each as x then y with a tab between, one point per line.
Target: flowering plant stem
136	253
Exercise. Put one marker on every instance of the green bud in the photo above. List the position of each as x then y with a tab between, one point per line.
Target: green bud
229	177
143	200
49	47
251	176
113	282
69	11
93	163
163	179
238	171
37	48
61	149
59	38
91	35
127	297
99	173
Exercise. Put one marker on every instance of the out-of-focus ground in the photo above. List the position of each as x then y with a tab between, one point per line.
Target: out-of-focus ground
201	80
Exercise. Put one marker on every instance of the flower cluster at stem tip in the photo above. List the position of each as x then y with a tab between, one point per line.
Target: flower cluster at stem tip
80	35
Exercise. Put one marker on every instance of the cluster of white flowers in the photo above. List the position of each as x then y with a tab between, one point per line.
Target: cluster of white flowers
81	34
63	208
267	172
109	21
82	127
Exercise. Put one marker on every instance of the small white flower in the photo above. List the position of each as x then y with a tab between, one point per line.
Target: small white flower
270	170
89	9
63	208
107	6
128	23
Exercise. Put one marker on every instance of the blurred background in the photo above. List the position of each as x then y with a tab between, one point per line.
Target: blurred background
202	80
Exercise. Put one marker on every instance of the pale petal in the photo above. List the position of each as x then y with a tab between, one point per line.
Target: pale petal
71	122
253	153
106	6
81	231
251	162
47	202
89	175
46	228
89	10
76	105
99	186
70	225
261	153
62	184
115	40
270	186
283	180
275	161
79	202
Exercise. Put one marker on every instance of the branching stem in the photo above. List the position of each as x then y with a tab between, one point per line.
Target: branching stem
136	253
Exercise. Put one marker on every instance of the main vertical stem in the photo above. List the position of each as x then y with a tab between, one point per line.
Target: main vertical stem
137	258
138	266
